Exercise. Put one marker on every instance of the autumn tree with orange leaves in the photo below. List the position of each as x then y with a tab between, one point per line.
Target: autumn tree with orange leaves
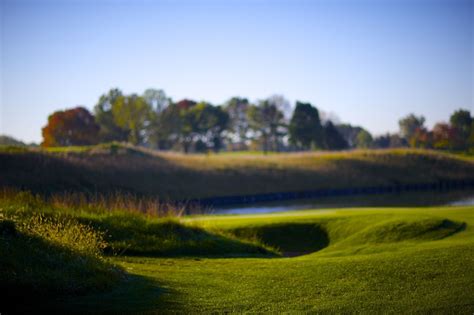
75	126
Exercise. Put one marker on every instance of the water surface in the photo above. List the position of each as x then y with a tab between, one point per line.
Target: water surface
406	199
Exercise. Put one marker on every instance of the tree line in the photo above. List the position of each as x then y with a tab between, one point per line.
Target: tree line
154	120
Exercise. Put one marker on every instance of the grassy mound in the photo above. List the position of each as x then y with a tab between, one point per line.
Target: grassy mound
41	257
120	232
397	230
298	238
135	235
108	169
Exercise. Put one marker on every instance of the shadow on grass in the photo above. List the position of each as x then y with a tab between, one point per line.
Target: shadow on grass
137	294
291	239
135	236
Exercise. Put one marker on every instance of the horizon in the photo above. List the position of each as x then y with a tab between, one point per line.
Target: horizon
370	63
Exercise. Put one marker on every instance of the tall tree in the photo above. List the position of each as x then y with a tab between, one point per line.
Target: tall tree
267	122
132	113
443	136
158	103
305	128
389	141
470	140
363	139
188	124
422	138
109	130
156	99
409	125
236	109
208	124
332	138
74	126
461	120
169	125
350	133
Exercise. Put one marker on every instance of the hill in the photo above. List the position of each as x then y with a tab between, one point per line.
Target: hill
116	168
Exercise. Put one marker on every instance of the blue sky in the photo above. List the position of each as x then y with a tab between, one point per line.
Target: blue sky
369	62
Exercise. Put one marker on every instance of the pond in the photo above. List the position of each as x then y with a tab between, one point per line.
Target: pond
407	199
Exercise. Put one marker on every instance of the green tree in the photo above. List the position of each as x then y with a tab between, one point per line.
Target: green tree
156	99
156	131
236	108
409	126
305	128
168	127
109	130
461	120
364	139
214	120
132	113
349	133
333	140
389	141
205	123
470	140
8	140
267	121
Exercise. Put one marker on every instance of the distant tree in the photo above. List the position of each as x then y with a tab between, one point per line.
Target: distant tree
267	122
169	126
305	128
188	125
470	140
422	138
280	103
75	126
156	99
185	104
236	108
332	138
109	130
397	142
8	140
382	141
461	121
155	132
349	133
409	125
217	121
442	136
207	124
132	113
364	139
200	146
278	120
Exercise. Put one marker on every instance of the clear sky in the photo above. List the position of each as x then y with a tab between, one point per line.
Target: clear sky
369	62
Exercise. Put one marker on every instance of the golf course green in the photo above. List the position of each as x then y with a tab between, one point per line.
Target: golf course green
376	260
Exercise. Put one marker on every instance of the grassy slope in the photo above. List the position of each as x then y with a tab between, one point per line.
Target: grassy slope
43	256
177	176
377	260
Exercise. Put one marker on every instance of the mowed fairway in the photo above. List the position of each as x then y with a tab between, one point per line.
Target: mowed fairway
358	260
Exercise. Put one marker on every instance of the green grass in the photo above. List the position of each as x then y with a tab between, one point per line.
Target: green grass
382	260
48	252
